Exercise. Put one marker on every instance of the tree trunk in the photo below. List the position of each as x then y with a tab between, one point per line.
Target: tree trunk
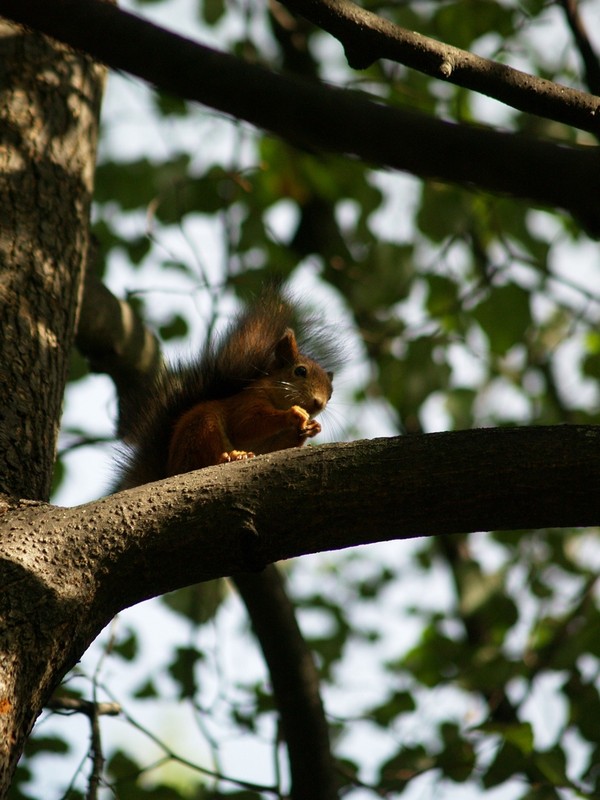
49	107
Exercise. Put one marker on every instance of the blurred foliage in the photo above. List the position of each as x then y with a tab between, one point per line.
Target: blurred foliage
463	310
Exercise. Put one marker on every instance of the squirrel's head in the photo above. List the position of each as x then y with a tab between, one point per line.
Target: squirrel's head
298	379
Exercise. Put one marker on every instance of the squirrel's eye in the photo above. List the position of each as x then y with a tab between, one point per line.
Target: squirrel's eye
301	372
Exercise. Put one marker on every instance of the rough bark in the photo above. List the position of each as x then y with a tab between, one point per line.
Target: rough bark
318	117
115	341
49	106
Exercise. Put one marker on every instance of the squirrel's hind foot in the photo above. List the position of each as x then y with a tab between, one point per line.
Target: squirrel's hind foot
235	455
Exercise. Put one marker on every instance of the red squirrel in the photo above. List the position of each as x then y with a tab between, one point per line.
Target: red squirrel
253	392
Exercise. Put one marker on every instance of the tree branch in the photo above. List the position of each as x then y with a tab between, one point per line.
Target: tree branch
71	570
367	38
214	522
591	62
112	337
115	341
295	682
315	116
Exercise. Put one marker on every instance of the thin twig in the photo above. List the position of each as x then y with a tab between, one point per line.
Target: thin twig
591	62
367	37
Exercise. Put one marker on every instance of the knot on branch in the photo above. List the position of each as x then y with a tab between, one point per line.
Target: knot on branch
359	57
446	68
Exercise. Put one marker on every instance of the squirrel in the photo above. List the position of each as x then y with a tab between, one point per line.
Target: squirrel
253	392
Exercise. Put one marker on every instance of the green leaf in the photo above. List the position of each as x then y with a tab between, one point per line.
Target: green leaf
137	248
584	706
434	660
591	366
443	212
442	296
136	183
457	757
198	603
504	317
459	405
508	762
168	104
176	328
147	691
398	703
212	10
409	380
461	23
58	475
128	647
553	765
183	669
47	744
399	770
519	734
122	765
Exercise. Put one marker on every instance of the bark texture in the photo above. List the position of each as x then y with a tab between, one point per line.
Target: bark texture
49	102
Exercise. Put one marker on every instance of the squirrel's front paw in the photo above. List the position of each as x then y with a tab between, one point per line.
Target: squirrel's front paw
299	417
235	455
311	429
307	427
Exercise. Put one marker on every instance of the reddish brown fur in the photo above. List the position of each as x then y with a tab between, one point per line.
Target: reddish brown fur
273	412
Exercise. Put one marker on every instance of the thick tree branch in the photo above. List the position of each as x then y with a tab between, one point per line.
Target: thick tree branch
112	337
233	518
317	116
367	38
70	570
236	517
115	341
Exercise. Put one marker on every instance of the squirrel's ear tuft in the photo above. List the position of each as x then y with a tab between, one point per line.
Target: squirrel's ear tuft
286	349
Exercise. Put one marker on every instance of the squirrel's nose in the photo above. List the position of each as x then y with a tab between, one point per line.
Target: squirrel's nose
318	405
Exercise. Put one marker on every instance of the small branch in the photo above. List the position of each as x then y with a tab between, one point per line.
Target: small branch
591	62
93	711
87	707
367	38
97	759
171	755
